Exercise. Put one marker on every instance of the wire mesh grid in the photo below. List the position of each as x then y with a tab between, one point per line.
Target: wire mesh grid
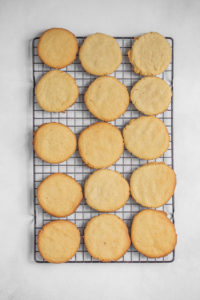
77	118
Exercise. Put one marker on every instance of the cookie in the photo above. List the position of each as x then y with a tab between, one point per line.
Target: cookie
153	234
151	95
59	195
100	145
54	142
146	137
106	190
106	237
57	47
150	54
58	241
153	184
56	91
107	98
100	54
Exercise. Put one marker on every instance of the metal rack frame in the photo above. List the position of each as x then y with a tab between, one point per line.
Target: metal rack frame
77	118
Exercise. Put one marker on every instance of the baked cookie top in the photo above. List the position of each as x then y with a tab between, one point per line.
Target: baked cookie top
100	54
150	54
106	237
106	190
100	145
58	241
153	184
59	195
151	95
153	234
107	98
57	47
54	142
146	137
56	91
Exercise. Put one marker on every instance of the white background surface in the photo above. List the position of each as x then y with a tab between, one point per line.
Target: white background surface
20	277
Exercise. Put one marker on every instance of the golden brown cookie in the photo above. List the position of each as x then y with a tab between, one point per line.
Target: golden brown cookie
59	195
106	190
54	142
57	47
153	184
146	137
107	98
151	95
106	237
100	54
56	91
58	241
100	145
153	234
150	54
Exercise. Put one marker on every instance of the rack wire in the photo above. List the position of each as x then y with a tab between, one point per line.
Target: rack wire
77	118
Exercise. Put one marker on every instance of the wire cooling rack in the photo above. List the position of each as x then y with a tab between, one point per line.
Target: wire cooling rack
77	118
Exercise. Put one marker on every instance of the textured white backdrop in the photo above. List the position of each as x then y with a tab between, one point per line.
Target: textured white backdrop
20	277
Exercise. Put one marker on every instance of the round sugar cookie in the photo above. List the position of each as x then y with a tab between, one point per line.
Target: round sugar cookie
58	241
146	137
54	142
107	98
100	145
57	47
151	95
106	237
150	54
59	195
153	234
100	54
106	190
153	184
56	91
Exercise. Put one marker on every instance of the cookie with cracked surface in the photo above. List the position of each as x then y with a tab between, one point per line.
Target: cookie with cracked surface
153	234
54	142
56	91
100	145
106	237
106	190
153	184
107	98
59	195
57	47
100	54
146	137
151	95
58	241
150	54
